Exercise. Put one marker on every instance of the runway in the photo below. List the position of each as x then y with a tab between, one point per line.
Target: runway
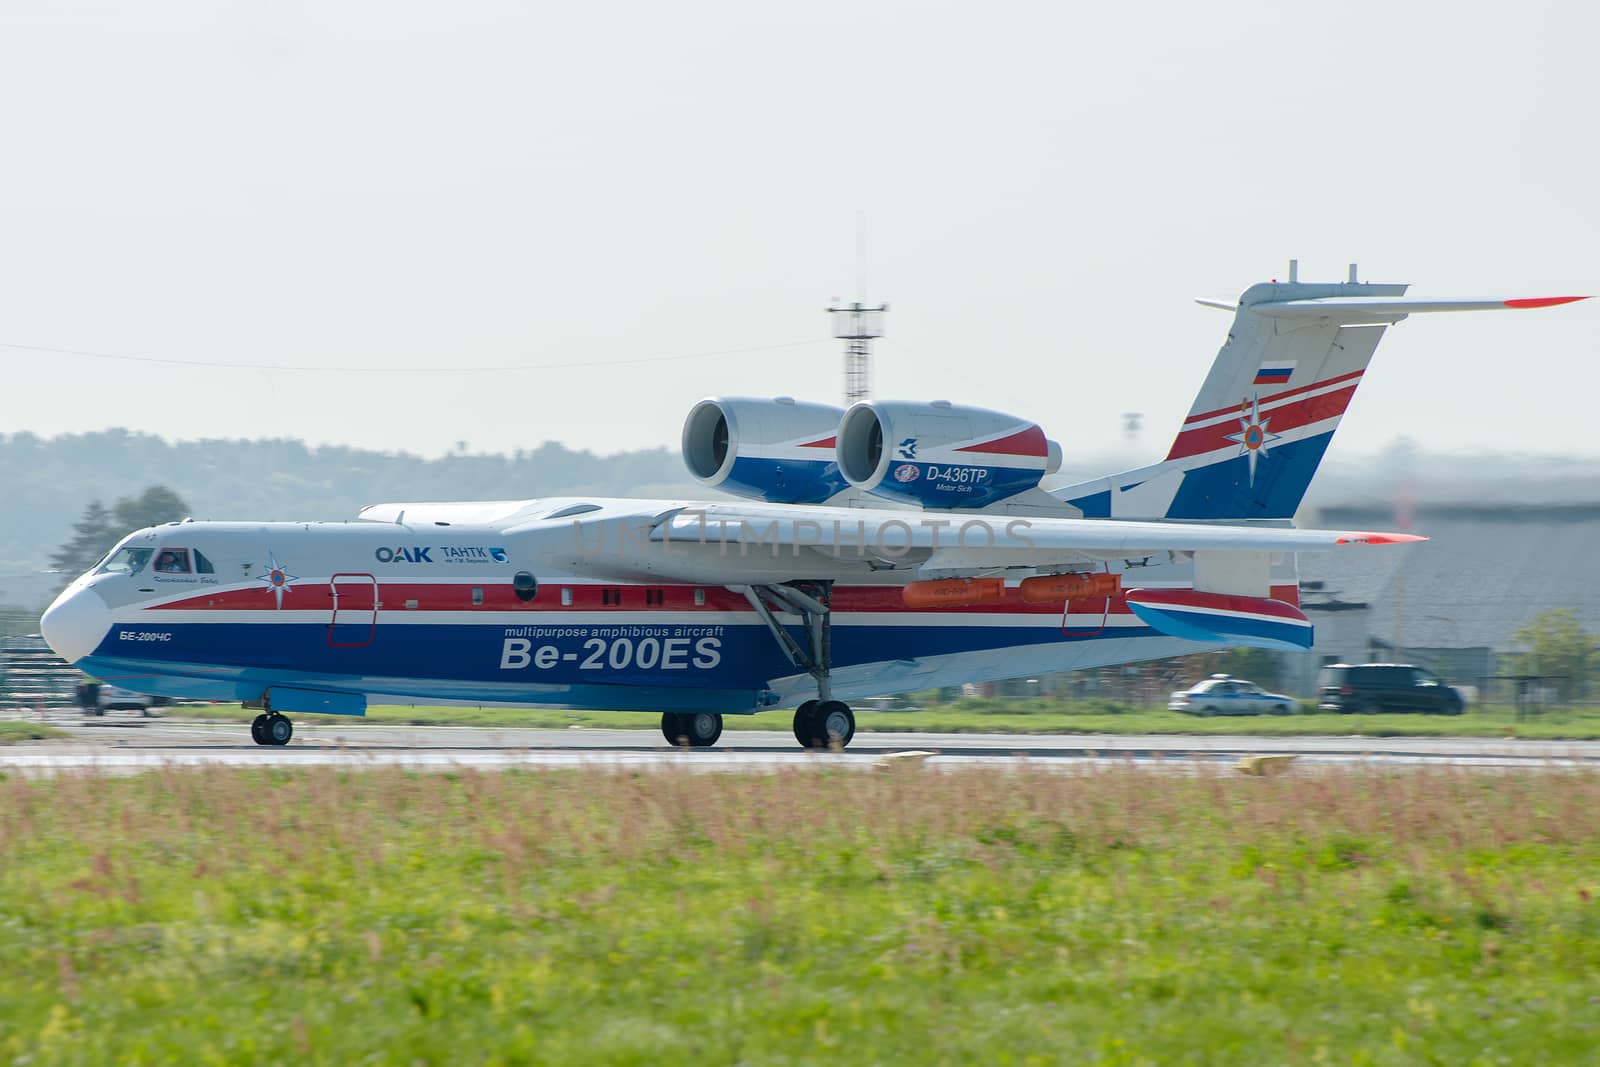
129	746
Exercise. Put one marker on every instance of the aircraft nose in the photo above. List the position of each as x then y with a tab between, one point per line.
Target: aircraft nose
76	623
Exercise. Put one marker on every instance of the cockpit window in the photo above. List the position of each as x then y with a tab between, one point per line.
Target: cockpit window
172	561
201	564
127	561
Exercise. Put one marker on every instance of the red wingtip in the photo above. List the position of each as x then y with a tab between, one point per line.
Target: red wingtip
1543	301
1379	539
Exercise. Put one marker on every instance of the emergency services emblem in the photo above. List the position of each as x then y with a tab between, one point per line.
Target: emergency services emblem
1253	439
279	580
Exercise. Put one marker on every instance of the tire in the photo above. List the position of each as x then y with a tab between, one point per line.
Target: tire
835	724
702	728
258	730
278	730
672	728
804	729
1282	709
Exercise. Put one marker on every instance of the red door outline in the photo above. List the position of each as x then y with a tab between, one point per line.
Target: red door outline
355	614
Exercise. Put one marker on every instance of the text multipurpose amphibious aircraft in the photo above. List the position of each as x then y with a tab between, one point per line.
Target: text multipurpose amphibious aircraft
890	547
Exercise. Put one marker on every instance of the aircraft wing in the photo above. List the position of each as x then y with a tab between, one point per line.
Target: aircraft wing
975	541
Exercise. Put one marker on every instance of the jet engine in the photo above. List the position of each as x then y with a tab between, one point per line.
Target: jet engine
941	456
778	450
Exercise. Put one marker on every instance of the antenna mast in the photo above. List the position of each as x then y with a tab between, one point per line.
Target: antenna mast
857	325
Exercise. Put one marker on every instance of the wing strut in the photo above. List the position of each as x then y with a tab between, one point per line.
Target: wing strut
815	612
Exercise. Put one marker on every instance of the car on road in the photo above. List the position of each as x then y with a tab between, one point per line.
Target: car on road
1371	688
1222	694
117	699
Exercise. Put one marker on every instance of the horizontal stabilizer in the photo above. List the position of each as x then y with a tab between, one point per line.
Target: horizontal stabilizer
1219	618
1389	309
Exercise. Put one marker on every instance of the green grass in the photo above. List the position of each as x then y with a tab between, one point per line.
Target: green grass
1018	716
1117	917
13	731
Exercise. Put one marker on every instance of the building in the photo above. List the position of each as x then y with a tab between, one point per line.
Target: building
1453	603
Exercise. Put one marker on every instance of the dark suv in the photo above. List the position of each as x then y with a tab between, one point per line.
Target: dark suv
1375	687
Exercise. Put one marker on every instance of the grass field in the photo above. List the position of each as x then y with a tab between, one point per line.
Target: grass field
1117	917
12	731
1020	716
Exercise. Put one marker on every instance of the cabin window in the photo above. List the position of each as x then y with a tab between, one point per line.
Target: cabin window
201	564
172	561
566	598
655	597
127	561
611	598
477	598
525	586
699	598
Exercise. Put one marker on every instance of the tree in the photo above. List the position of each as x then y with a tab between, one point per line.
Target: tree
1261	666
92	537
99	529
154	506
1560	649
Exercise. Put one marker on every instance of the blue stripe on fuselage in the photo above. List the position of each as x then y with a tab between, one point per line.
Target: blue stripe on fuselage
658	655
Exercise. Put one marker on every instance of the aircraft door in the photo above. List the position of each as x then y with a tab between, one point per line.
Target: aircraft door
354	621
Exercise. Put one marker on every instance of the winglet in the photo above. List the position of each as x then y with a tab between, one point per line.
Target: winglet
1379	539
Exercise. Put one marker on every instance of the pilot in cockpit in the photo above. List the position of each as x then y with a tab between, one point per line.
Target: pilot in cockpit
173	561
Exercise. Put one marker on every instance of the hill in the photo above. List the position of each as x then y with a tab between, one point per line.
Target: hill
46	483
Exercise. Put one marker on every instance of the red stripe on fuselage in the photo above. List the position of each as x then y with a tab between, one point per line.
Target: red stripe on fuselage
405	596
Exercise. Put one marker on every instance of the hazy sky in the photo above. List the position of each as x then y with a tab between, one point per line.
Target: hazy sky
1045	185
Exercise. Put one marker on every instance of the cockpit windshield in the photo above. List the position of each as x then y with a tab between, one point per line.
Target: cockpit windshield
126	561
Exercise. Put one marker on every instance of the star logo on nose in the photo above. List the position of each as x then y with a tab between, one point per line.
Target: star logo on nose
1253	439
278	578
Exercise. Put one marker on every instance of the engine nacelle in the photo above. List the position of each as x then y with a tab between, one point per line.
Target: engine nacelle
781	451
941	456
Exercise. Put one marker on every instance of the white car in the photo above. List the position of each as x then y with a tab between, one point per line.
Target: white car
1223	695
113	698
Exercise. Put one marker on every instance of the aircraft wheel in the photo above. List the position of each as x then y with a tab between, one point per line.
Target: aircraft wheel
277	730
672	728
836	723
258	729
805	730
702	728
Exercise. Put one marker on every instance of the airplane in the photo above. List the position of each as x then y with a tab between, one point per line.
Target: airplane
889	547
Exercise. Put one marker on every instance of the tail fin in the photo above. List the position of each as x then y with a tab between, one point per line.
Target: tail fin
1269	407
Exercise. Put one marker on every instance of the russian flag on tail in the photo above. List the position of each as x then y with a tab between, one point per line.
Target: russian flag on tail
1274	372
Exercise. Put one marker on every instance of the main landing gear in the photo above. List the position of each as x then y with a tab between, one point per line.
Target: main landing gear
270	728
691	729
824	722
